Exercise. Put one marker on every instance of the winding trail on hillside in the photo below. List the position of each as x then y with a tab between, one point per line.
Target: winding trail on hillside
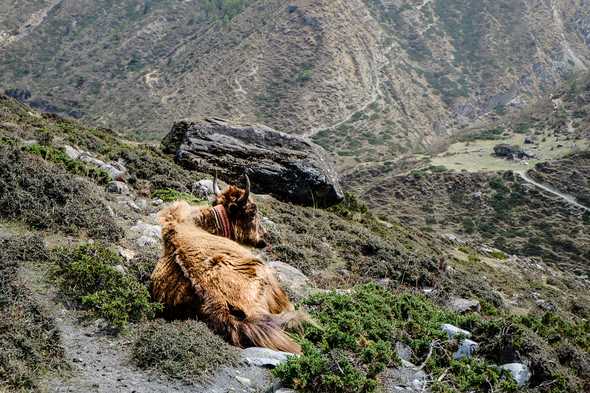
568	198
376	93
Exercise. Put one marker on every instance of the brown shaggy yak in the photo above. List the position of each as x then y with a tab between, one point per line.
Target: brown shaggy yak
204	271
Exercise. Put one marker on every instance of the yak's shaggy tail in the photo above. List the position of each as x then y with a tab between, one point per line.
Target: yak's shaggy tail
259	331
268	333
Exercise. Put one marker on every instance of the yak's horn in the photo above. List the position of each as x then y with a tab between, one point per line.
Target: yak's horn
216	189
246	195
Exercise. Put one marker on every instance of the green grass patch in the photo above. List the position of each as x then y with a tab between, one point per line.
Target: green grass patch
87	274
498	255
170	195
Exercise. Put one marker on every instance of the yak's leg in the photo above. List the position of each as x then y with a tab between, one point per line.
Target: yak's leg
170	287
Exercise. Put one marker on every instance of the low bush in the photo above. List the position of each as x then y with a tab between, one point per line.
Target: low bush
185	350
29	339
349	237
88	275
149	163
358	332
45	196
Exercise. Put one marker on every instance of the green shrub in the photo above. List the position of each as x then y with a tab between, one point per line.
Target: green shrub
522	128
357	334
304	75
186	350
350	207
87	274
357	331
468	225
492	134
224	10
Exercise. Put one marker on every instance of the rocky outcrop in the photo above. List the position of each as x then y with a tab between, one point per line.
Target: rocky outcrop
288	167
510	152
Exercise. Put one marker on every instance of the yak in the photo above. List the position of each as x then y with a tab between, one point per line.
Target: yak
206	271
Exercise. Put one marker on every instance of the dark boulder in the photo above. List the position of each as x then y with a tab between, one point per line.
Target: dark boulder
511	152
288	167
18	94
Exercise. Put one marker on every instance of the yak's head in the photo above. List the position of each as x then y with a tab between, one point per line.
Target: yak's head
242	213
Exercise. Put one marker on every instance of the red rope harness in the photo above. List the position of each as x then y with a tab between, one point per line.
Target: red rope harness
222	221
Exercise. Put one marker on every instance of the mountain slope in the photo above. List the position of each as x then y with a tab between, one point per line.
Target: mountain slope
370	79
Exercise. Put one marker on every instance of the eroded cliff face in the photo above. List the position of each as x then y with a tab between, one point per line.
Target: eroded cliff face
366	79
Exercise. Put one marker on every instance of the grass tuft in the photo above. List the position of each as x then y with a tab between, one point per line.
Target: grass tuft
185	350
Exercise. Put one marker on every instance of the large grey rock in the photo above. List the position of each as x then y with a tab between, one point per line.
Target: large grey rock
520	372
511	151
264	357
292	279
289	167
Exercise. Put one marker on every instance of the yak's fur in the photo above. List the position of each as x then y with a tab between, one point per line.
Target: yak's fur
222	283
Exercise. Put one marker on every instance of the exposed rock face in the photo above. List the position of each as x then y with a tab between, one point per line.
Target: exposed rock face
288	167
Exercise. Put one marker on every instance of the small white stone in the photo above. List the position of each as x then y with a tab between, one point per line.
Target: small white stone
126	253
453	331
145	241
121	269
519	371
243	381
466	349
71	152
264	357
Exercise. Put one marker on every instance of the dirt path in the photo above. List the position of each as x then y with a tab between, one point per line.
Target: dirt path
568	198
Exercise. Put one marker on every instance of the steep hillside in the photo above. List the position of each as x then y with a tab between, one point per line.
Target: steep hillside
78	249
370	80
